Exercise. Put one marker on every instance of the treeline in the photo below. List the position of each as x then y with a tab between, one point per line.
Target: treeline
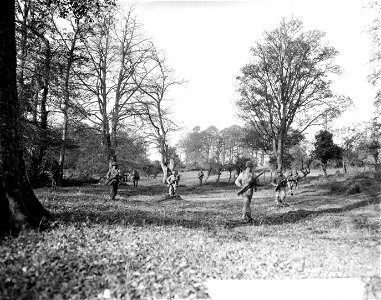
228	149
92	88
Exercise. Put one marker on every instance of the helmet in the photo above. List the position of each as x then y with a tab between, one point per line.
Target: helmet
249	164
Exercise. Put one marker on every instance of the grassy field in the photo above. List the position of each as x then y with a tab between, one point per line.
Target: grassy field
145	246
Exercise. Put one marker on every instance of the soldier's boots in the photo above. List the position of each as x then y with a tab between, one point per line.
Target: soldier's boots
247	217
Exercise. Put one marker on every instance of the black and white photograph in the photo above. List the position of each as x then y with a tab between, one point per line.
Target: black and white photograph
190	149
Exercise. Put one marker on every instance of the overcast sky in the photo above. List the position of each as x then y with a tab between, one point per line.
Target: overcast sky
207	42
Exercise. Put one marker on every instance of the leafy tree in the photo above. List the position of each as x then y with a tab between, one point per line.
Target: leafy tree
232	138
350	136
325	149
287	83
192	146
374	149
375	32
19	207
152	169
254	140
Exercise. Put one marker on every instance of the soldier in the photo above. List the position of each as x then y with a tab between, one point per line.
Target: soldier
135	178
113	180
200	176
281	184
55	170
243	179
171	181
177	179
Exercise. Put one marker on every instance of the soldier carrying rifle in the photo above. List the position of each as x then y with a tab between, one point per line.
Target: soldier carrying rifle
247	181
113	176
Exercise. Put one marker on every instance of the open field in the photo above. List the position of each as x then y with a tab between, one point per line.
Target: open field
146	246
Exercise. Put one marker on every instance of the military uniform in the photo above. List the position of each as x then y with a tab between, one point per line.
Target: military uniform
200	176
242	180
172	180
135	178
280	190
113	177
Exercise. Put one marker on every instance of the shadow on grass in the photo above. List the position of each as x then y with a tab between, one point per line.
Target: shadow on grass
134	217
183	213
108	214
301	214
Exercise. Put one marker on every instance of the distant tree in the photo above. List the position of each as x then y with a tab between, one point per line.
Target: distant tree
152	169
375	32
253	139
192	146
325	149
230	167
287	83
374	149
210	139
232	138
19	207
302	158
350	136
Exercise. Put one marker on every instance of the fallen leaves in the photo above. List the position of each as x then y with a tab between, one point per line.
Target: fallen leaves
149	249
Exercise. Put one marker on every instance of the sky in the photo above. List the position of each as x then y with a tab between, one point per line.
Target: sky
208	42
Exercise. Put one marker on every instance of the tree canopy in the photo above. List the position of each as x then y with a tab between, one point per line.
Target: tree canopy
288	82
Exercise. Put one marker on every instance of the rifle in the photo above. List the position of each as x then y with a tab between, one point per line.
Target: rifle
249	185
112	178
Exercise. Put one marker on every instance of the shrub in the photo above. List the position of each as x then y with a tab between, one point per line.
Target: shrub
353	188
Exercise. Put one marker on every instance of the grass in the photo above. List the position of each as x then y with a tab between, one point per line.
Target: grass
146	246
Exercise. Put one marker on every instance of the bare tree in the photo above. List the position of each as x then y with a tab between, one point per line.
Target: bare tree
116	51
287	83
154	109
69	38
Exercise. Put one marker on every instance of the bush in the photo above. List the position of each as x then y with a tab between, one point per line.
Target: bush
353	188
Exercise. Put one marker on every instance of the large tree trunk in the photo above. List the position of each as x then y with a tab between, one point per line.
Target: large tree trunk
166	166
19	208
279	157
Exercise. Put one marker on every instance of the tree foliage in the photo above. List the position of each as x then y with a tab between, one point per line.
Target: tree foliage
87	62
288	83
375	32
325	149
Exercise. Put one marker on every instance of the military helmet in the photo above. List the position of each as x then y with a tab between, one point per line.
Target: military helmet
249	164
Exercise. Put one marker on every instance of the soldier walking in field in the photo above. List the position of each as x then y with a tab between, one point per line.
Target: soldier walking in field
178	176
172	183
281	184
200	176
55	171
135	178
113	177
246	178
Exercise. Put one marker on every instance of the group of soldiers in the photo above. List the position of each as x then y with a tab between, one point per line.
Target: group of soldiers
246	180
114	176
